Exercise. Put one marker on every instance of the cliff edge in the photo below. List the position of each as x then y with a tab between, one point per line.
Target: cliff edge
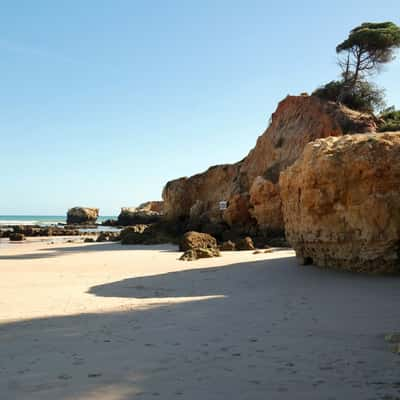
251	186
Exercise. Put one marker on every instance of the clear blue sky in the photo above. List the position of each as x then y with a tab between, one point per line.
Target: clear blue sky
103	102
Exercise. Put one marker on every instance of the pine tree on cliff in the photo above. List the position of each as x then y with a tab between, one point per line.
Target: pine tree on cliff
366	49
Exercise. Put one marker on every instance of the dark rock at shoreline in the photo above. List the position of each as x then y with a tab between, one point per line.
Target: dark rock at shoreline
80	226
5	233
228	246
110	222
135	234
245	244
82	215
108	237
34	230
16	237
157	233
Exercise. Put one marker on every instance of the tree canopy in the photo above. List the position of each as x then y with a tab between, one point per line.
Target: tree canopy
367	47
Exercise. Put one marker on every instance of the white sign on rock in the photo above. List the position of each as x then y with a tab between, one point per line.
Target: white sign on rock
223	205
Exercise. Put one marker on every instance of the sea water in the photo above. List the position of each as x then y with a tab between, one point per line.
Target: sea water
42	220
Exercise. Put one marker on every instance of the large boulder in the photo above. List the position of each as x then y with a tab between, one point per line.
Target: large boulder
196	240
250	187
198	245
82	215
16	237
341	203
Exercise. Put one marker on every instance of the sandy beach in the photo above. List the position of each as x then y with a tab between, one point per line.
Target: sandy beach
105	321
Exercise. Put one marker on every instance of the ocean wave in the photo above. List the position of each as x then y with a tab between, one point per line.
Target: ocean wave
17	222
27	222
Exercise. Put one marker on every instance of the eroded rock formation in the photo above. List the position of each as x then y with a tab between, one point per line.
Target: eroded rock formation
198	245
82	215
251	185
146	213
341	203
197	240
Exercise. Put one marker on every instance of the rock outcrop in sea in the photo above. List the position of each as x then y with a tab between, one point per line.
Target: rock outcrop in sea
250	188
82	215
341	203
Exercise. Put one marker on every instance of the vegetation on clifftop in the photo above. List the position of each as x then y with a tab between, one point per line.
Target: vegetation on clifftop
368	47
390	120
364	97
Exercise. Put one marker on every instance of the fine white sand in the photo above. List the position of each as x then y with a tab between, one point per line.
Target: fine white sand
105	321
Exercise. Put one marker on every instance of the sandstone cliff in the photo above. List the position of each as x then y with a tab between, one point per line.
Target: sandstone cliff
251	185
341	203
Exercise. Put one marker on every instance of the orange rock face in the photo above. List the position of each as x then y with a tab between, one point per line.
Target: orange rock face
202	192
251	185
341	203
266	205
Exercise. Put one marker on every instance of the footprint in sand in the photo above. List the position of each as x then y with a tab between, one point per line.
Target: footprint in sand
64	376
94	375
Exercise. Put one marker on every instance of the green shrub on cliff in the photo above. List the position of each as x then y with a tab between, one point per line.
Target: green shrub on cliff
390	120
367	48
365	96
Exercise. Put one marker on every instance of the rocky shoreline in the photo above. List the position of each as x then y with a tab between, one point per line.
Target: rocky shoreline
318	180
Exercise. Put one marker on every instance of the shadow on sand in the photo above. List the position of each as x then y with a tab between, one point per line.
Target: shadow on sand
276	331
49	252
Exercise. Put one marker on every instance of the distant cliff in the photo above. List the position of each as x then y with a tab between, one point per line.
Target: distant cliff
251	186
